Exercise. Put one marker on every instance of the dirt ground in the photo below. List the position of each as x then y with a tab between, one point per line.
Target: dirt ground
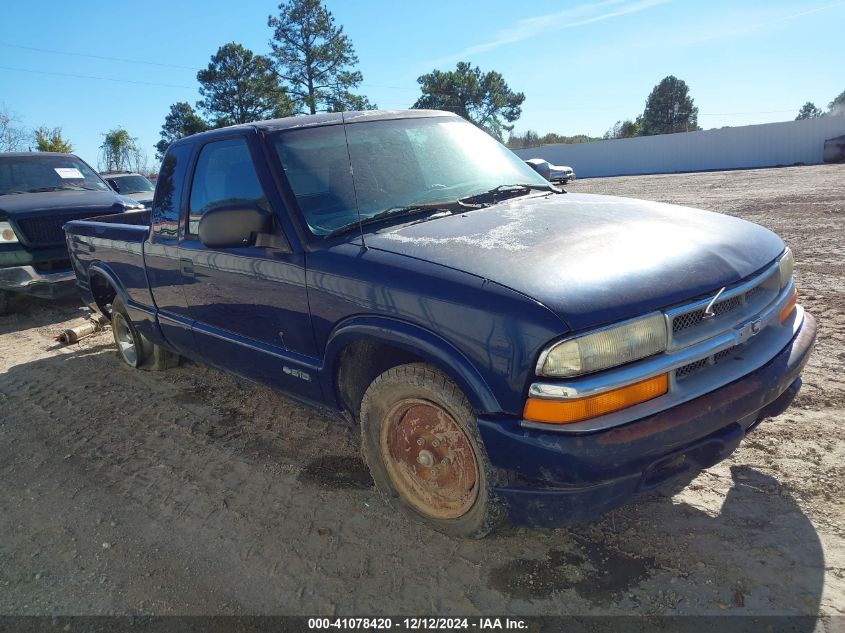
194	492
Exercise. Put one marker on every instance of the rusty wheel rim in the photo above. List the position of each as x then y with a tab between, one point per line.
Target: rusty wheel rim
429	459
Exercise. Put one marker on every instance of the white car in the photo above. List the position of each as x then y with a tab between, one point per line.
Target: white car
553	173
132	185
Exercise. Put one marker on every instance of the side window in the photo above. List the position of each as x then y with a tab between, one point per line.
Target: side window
224	176
165	212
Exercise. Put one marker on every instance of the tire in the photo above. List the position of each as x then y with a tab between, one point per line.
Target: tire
415	411
5	302
135	350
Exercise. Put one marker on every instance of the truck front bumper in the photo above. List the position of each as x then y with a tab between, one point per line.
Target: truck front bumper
42	272
557	479
27	280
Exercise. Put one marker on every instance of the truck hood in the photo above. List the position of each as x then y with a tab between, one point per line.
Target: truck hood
61	201
592	259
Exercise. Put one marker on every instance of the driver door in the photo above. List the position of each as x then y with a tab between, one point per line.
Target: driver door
249	303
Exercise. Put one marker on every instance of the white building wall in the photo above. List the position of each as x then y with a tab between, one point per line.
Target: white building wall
768	145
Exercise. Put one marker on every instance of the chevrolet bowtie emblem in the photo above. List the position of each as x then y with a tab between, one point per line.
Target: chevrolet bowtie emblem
708	311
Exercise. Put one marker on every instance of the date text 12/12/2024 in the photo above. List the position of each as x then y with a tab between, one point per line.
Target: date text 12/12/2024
415	624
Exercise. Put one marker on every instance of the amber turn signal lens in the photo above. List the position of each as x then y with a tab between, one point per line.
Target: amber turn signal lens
568	411
790	306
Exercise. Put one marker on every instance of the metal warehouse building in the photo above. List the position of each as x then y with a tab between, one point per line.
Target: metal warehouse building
767	145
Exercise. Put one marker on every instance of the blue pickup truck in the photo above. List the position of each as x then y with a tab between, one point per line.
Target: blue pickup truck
508	349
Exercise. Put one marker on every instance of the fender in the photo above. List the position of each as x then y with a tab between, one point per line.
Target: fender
99	268
143	317
414	339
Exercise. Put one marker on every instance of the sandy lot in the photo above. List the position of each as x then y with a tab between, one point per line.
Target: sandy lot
191	491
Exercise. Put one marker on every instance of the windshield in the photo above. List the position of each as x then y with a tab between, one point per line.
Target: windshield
130	184
395	164
34	173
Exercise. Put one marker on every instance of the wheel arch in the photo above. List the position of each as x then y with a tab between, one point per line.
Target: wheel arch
385	343
105	287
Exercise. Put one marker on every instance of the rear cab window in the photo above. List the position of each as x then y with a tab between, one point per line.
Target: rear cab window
165	211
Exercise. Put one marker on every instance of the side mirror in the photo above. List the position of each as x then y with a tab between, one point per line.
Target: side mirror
230	227
541	166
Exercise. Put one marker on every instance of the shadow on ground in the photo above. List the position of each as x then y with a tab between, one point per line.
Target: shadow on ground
27	312
760	551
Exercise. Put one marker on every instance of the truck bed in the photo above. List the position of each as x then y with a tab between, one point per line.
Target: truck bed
115	245
111	225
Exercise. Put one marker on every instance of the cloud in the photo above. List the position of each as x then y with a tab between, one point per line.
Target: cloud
580	15
748	27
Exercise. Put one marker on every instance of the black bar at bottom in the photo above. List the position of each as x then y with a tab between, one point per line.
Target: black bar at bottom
413	624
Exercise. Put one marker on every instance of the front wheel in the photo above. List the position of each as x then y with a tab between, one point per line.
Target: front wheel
421	442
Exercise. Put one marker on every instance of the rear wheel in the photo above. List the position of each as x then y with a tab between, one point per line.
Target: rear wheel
135	350
127	339
421	442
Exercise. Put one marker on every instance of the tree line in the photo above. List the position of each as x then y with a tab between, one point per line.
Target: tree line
119	151
14	137
669	108
311	67
810	111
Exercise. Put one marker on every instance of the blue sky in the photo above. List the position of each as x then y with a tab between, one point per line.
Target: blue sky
582	65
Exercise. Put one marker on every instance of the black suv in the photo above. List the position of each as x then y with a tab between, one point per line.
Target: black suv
39	192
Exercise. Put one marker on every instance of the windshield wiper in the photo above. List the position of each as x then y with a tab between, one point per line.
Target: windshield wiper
519	189
43	189
57	188
83	188
410	209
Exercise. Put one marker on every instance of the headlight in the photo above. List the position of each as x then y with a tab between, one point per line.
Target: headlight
129	204
605	348
787	266
7	233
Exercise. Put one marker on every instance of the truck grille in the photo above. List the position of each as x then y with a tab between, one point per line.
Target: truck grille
691	319
46	230
688	370
692	368
689	326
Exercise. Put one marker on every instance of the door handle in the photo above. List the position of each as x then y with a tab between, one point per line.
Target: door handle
187	267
